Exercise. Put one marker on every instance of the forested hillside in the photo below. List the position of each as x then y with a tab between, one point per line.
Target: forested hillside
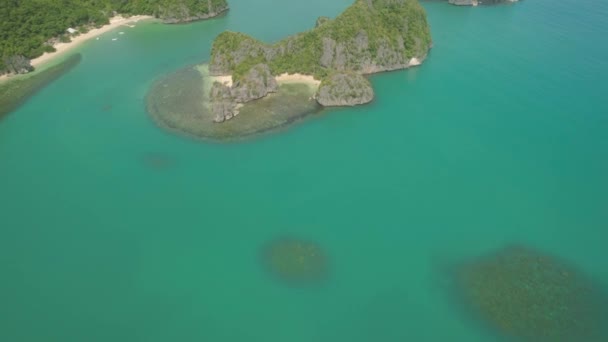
26	26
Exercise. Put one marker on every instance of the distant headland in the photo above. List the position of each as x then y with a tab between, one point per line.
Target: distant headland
41	28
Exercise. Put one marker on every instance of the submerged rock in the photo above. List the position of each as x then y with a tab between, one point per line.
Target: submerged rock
345	89
295	261
531	296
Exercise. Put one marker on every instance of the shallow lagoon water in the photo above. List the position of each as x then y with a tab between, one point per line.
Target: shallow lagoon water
179	102
498	138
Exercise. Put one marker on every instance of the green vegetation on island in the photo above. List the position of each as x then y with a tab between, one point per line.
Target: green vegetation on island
28	28
369	36
329	61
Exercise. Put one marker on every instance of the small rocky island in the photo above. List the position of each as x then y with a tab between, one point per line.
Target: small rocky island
251	87
370	36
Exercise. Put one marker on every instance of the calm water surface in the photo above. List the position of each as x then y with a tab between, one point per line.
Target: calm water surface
114	230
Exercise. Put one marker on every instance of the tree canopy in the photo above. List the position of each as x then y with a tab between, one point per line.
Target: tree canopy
27	25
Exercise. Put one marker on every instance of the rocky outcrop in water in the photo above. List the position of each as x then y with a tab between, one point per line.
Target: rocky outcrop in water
223	105
186	11
345	89
255	84
368	37
17	64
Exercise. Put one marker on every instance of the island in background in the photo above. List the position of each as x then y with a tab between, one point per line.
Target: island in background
33	28
37	30
251	87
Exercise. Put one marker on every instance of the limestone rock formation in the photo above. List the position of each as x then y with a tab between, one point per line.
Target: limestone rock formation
223	105
255	84
345	89
368	37
186	11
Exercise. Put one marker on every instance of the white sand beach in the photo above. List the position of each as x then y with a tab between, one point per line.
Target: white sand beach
62	48
298	78
281	79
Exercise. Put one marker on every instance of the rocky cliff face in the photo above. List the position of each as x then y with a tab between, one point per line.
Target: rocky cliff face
356	55
344	89
185	11
223	105
256	83
368	37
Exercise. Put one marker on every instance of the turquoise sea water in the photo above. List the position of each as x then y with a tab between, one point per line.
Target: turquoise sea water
113	230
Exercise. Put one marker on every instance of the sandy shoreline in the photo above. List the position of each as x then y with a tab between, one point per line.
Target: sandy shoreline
62	48
298	78
281	79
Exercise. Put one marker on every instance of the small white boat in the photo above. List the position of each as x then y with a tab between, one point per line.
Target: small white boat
114	38
121	33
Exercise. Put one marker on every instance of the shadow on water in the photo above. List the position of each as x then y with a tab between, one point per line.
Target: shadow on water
15	92
521	294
